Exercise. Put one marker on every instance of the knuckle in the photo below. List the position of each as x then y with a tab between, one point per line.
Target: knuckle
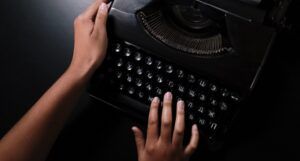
166	123
78	20
152	122
150	149
179	132
193	146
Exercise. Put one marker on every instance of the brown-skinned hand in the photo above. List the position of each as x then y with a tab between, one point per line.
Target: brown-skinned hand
166	145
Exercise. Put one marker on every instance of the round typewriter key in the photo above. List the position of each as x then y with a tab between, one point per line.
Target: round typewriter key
169	69
191	117
131	90
201	110
141	94
119	75
192	93
118	48
180	74
159	79
190	105
127	52
139	71
120	62
213	126
121	87
213	88
214	102
158	91
138	56
191	78
158	65
149	87
149	75
129	66
138	82
211	114
171	84
223	106
202	122
128	78
181	88
225	93
202	83
149	61
202	97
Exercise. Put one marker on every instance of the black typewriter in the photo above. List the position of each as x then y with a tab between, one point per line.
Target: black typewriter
208	53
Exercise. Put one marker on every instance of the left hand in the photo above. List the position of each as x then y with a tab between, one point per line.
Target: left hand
90	37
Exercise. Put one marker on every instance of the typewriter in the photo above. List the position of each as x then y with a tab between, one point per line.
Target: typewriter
208	53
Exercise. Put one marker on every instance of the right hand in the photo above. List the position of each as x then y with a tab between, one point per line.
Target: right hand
90	37
166	146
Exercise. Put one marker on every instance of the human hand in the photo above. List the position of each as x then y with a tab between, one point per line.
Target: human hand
90	38
165	146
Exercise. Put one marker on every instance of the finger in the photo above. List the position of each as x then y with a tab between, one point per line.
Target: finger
139	139
91	11
179	125
101	18
152	131
166	118
192	146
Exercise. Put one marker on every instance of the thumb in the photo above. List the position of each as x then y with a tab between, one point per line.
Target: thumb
101	17
139	139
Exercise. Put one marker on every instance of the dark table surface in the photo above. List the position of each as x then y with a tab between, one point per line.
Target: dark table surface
36	43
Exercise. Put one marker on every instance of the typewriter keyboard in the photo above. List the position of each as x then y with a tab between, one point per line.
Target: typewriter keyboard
142	76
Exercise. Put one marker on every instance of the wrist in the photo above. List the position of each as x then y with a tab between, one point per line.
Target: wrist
81	73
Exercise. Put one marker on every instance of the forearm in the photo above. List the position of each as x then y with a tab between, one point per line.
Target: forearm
32	137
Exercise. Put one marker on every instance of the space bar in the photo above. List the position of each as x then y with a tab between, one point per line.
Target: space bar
125	104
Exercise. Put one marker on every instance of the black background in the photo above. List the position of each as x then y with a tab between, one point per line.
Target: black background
36	43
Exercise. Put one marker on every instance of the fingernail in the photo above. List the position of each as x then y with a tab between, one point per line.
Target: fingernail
156	100
195	127
180	105
103	7
168	96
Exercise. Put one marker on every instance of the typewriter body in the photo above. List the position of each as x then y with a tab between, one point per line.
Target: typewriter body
208	53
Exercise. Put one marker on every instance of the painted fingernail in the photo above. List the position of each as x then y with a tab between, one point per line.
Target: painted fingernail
155	100
168	96
195	127
181	105
133	128
103	7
